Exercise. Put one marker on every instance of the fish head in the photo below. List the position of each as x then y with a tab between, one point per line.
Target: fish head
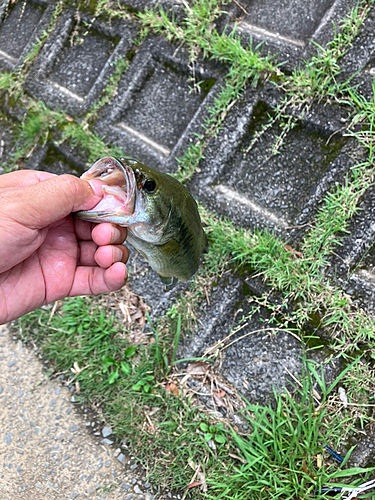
134	196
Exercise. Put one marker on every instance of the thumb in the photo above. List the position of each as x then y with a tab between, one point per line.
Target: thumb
49	201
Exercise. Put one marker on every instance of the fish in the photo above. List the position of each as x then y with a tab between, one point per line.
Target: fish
161	215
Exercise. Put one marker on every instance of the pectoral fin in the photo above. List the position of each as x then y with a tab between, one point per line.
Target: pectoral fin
169	282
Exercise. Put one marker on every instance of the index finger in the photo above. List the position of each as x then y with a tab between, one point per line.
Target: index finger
22	178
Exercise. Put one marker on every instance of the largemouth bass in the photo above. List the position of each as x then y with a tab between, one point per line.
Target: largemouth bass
161	216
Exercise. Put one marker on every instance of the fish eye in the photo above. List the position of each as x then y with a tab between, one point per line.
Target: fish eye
149	186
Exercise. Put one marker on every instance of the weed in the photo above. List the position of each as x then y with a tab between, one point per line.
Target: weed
282	455
244	65
277	457
121	65
21	70
113	367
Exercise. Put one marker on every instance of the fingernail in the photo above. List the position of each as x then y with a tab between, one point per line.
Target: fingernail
96	186
115	234
117	254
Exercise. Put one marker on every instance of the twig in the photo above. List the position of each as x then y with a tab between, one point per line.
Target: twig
52	312
259	331
178	48
353	404
225	388
214	347
191	481
207	298
150	422
240	6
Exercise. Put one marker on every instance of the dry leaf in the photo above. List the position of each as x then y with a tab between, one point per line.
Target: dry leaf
135	316
211	444
197	368
219	401
319	461
171	387
293	251
193	485
69	118
343	396
191	464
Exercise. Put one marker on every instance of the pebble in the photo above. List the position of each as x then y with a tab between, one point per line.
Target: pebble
107	431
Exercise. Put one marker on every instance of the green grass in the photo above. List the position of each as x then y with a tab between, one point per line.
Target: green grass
282	451
121	65
276	458
246	65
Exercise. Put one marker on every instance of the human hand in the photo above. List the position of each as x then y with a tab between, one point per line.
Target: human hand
45	253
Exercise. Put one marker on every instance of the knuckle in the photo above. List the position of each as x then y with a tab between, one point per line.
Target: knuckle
72	185
70	181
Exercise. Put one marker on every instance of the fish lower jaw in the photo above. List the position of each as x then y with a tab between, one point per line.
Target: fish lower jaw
98	217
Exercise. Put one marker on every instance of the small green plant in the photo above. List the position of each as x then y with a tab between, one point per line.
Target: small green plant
276	458
113	367
144	384
215	432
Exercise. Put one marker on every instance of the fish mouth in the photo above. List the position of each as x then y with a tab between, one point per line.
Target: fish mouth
119	190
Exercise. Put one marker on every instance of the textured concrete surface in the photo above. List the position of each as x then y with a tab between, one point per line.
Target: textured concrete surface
47	447
289	29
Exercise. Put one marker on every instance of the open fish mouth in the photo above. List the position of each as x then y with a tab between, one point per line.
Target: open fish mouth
119	189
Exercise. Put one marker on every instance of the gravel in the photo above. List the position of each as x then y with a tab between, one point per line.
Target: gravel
46	449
